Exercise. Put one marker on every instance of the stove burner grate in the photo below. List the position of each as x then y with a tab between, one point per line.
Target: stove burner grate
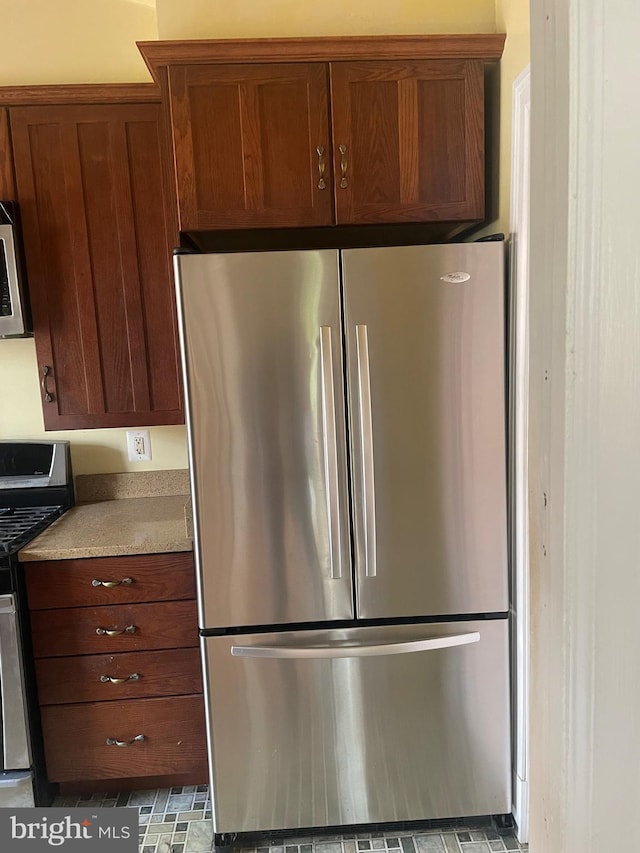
18	525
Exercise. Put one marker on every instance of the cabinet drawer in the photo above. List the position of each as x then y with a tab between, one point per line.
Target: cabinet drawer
74	630
75	739
173	672
79	583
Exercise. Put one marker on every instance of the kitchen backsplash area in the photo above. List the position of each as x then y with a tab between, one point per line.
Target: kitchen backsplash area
143	484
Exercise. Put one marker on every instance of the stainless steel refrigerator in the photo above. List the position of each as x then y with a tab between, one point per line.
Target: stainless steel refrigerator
346	420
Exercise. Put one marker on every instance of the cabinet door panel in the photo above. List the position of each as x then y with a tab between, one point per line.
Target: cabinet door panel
7	182
94	211
414	139
245	140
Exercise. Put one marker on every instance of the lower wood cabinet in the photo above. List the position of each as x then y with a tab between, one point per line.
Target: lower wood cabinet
118	673
134	737
128	675
123	627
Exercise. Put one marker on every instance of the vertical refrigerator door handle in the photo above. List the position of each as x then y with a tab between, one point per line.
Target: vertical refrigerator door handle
404	647
330	451
366	443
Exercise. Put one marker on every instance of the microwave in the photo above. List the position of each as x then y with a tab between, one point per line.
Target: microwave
15	320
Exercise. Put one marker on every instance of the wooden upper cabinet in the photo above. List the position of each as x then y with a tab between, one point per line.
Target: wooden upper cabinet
250	142
408	140
98	233
399	121
7	181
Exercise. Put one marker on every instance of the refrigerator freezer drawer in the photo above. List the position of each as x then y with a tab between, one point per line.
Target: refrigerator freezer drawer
361	725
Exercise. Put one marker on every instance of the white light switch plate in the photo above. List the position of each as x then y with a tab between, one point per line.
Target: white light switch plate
139	445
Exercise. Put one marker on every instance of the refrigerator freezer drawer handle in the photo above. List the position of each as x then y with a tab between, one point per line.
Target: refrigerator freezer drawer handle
366	443
369	650
330	451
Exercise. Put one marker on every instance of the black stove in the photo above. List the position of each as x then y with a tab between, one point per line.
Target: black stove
19	525
36	488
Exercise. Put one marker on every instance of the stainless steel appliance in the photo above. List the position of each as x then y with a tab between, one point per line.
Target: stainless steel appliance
346	420
15	320
35	489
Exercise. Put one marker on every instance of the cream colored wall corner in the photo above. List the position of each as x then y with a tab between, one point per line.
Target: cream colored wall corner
74	41
512	18
188	19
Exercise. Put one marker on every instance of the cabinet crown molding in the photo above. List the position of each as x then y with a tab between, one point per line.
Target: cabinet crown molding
158	54
80	93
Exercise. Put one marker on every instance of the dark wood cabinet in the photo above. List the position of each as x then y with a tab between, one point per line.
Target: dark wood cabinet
98	230
99	683
117	628
408	140
301	132
125	675
94	581
7	182
250	142
119	740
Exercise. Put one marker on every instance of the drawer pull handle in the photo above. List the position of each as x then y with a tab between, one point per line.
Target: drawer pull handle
133	677
112	741
113	632
109	584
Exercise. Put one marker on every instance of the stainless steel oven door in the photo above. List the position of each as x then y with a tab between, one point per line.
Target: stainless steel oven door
16	753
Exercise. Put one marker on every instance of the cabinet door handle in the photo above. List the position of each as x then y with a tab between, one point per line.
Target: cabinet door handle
343	166
113	632
110	678
113	741
109	584
43	384
321	167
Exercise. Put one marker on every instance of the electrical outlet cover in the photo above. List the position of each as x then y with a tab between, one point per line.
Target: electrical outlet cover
139	445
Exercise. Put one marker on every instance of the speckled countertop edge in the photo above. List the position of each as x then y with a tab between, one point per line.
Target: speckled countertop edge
116	527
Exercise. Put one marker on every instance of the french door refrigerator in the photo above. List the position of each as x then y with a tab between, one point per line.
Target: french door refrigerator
346	420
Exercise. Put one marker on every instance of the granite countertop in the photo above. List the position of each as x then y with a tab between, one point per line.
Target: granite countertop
118	523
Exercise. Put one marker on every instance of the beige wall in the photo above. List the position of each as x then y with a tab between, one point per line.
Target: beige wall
512	17
74	41
94	41
258	18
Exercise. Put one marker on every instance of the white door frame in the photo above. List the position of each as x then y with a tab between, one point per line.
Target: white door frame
519	418
584	436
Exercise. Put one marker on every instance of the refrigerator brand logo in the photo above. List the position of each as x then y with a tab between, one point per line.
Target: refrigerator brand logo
34	830
455	277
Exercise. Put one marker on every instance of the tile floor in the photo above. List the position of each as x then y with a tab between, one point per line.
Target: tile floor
178	820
